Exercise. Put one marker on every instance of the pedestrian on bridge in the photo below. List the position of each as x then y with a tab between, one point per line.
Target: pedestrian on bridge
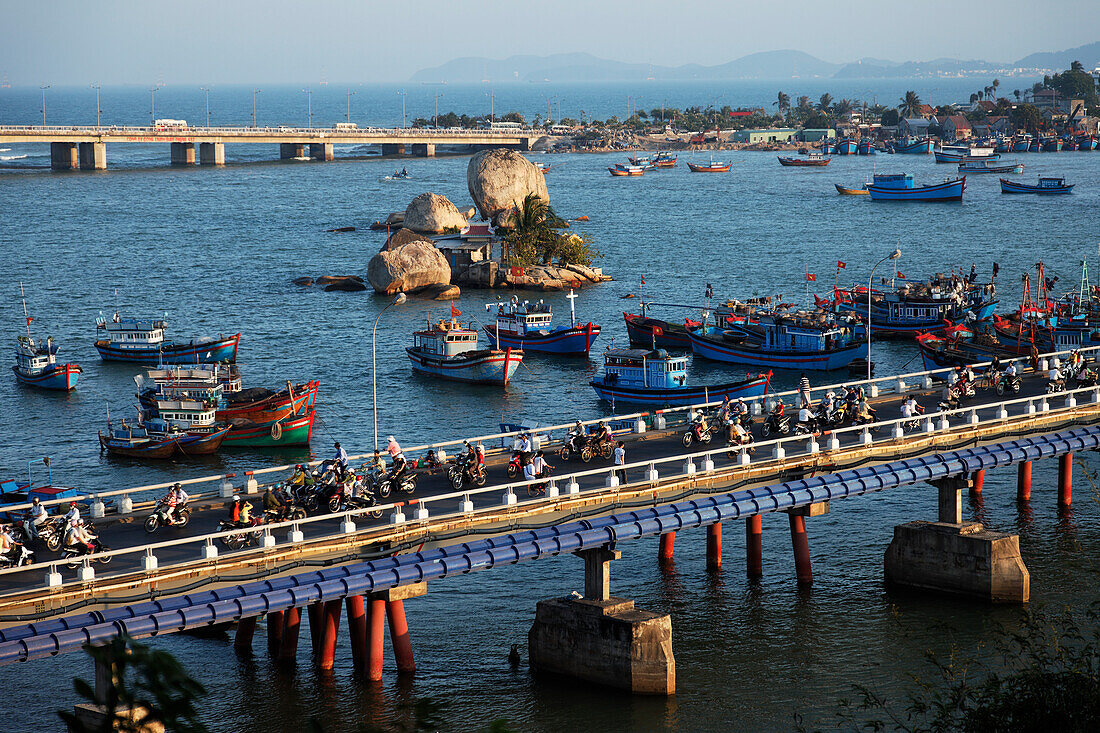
619	456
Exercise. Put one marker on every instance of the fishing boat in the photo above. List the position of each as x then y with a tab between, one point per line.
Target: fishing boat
136	340
645	330
711	167
1051	144
845	191
1086	142
286	431
652	377
1003	145
128	440
664	159
866	146
900	187
36	363
846	146
627	170
988	165
643	161
828	147
259	404
957	346
544	168
913	145
961	153
1047	185
191	421
1022	144
811	159
527	326
1069	144
901	308
801	340
449	351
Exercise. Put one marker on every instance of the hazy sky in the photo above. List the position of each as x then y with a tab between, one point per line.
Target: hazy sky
241	41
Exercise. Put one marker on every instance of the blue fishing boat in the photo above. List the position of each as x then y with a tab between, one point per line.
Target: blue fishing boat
1086	142
900	187
36	364
901	308
1003	145
134	441
654	378
1022	144
817	341
846	146
1047	185
142	341
989	165
963	153
828	147
913	145
449	351
865	147
527	326
1051	144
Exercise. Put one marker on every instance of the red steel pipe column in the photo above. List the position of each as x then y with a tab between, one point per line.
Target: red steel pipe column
668	541
1065	479
754	545
242	640
714	546
292	623
357	630
399	636
274	631
1023	481
801	549
316	611
978	482
330	625
376	630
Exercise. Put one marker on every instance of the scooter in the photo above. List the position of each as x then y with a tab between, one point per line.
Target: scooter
17	556
577	445
698	432
407	484
777	424
247	536
163	516
459	477
1008	383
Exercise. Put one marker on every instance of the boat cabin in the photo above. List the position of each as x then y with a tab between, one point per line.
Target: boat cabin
523	318
1051	182
132	333
183	414
894	180
176	384
644	368
446	339
32	358
803	334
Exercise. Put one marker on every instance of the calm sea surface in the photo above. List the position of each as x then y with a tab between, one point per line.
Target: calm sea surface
216	250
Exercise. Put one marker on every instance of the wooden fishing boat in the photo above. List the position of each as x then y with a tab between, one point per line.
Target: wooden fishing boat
913	145
989	166
263	405
845	191
805	341
812	159
652	377
665	159
448	351
293	430
846	146
626	170
133	441
1086	142
1047	185
647	331
711	167
1021	144
36	363
900	187
961	153
828	147
903	308
528	327
1051	145
137	340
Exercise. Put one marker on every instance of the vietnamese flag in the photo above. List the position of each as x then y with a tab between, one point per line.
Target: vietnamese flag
455	312
657	331
901	276
810	277
840	265
643	279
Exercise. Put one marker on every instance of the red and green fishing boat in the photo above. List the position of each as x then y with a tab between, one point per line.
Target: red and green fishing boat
292	430
262	405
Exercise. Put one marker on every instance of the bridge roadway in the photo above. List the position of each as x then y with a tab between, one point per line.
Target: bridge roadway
125	580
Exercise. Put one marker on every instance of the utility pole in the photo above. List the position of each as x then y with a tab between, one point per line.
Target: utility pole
254	93
437	96
44	87
492	111
403	94
98	111
309	105
152	104
350	92
206	90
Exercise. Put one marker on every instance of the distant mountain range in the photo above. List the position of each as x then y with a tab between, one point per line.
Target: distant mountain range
574	67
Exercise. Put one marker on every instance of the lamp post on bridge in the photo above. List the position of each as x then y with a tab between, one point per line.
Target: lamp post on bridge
254	93
437	96
350	92
870	281
207	91
44	87
153	105
403	94
98	111
492	102
400	299
309	106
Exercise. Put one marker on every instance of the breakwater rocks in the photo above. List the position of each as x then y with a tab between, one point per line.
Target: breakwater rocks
331	283
490	274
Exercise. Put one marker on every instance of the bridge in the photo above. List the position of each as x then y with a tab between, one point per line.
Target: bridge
85	147
370	561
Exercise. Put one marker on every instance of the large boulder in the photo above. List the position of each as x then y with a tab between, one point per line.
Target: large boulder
499	179
402	237
431	213
408	268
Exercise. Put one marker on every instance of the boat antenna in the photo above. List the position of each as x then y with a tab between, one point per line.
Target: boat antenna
26	317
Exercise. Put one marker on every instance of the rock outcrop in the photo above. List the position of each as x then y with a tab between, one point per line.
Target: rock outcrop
408	268
431	213
500	179
347	286
402	237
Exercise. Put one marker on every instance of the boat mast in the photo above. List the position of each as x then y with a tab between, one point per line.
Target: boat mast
572	309
26	317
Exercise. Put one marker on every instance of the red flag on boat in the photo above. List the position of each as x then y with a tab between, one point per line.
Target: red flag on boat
901	276
658	331
840	265
455	312
29	319
643	279
810	277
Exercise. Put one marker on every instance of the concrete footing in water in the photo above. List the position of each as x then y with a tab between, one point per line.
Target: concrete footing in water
607	642
959	559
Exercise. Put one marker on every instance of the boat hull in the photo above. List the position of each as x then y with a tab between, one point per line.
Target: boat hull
640	332
209	352
846	147
1008	186
60	377
845	191
803	162
573	341
709	168
920	147
272	434
478	367
947	191
680	396
274	407
202	444
156	450
718	350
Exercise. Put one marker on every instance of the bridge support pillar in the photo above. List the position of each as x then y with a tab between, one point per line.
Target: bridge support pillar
597	571
289	151
315	612
424	150
754	546
393	148
321	151
242	639
93	156
389	603
292	624
212	153
1065	479
950	501
958	559
668	542
801	545
714	546
977	482
64	156
274	631
376	630
1023	481
357	630
399	636
330	626
183	154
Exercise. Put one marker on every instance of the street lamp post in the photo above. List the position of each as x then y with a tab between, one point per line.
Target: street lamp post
492	106
44	87
309	106
207	91
374	362
254	93
437	96
98	111
870	281
350	92
152	105
403	94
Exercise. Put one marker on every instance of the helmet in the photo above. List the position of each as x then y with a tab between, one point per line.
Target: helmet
298	467
480	448
390	439
177	485
36	500
336	445
236	498
72	503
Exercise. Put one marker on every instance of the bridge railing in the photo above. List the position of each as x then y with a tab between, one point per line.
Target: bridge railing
635	422
365	132
697	463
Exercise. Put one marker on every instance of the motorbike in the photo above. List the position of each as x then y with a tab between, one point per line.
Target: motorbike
697	432
51	532
515	467
290	513
1008	383
1085	377
17	556
805	428
603	448
459	476
827	418
385	485
162	516
247	535
75	552
1057	386
365	501
577	445
777	424
540	489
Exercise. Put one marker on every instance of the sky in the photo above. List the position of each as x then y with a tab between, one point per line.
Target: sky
241	41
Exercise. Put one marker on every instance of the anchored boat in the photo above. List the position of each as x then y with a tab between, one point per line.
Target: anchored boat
449	351
1045	186
811	159
802	340
846	191
652	377
712	167
134	441
36	364
527	326
961	153
989	165
903	309
627	170
900	187
846	146
136	340
913	145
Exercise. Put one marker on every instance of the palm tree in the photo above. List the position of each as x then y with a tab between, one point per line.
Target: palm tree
1076	66
842	107
1016	92
782	102
826	100
996	83
910	105
536	232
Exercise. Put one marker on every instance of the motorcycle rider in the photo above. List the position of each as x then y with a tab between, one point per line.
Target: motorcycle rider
1054	376
578	437
78	536
74	513
397	458
340	460
175	500
806	418
36	517
602	434
738	434
273	502
743	412
301	477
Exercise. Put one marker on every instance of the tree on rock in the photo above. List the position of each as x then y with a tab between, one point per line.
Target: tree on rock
537	237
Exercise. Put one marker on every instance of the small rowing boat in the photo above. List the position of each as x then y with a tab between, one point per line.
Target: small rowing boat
845	191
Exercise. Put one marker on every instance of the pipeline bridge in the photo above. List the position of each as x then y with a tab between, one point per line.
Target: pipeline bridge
367	562
85	147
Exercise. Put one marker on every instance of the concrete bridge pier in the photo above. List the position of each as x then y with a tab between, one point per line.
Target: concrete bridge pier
955	557
64	156
212	153
292	624
393	148
93	156
289	151
602	639
424	150
274	632
321	151
183	154
246	629
714	546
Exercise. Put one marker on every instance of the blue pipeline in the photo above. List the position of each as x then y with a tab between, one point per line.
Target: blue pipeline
58	636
